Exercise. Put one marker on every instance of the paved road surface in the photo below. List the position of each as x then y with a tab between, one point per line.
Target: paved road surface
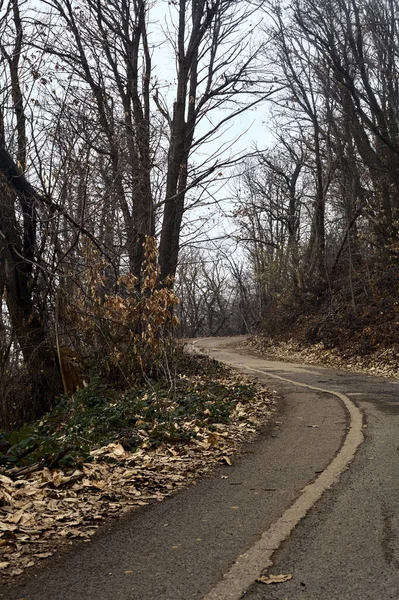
346	548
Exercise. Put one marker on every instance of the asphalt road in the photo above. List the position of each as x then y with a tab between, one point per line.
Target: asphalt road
345	548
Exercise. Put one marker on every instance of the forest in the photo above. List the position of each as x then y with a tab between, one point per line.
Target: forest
131	215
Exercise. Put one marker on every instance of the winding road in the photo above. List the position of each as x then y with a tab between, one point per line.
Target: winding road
315	497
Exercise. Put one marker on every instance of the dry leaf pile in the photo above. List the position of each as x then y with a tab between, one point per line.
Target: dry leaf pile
383	362
41	509
271	579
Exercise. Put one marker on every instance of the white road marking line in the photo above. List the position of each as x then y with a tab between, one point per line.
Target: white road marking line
249	565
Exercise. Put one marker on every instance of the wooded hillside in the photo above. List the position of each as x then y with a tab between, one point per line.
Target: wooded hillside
317	211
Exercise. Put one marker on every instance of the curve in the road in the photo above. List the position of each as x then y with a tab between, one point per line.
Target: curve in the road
249	565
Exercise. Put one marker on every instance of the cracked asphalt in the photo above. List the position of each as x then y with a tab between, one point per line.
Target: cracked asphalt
345	548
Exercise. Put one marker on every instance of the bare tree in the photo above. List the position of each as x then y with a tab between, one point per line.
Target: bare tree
216	68
107	49
19	272
359	44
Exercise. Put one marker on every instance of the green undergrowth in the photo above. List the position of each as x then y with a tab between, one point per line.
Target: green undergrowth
170	410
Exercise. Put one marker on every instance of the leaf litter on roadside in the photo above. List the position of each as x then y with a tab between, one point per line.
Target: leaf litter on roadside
46	507
381	361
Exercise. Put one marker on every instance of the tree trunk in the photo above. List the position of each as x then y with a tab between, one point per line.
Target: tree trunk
39	357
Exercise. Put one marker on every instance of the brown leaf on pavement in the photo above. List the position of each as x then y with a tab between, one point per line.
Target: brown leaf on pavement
269	579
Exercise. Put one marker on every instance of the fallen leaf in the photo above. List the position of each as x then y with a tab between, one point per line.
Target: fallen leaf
268	579
228	460
16	517
17	572
7	527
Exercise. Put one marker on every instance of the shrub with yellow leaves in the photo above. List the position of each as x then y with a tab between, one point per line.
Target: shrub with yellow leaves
122	329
